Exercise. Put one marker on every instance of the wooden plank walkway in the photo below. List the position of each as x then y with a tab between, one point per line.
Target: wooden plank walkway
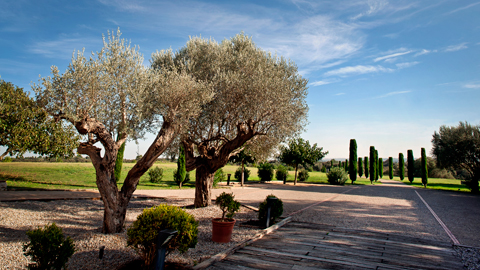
313	246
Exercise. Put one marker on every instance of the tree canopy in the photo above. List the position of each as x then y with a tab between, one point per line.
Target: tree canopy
259	101
112	94
459	147
300	152
24	126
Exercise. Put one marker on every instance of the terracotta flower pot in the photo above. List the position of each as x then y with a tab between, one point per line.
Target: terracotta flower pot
222	231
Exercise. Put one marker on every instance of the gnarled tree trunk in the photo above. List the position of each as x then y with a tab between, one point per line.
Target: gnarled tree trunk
203	186
116	201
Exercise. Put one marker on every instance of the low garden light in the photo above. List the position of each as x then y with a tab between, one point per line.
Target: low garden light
270	202
163	238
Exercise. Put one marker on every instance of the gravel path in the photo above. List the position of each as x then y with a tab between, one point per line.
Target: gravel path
82	220
391	207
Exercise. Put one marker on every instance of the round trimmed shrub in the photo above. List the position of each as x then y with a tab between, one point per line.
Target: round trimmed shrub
155	175
276	212
143	233
265	171
238	174
48	248
337	176
281	172
303	175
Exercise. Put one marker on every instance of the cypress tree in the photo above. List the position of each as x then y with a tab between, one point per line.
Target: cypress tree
331	163
410	165
401	166
373	164
380	167
376	165
366	167
181	172
345	165
390	168
360	167
424	168
119	163
352	166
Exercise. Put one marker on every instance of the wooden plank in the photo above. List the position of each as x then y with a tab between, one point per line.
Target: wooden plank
300	261
257	263
394	244
345	261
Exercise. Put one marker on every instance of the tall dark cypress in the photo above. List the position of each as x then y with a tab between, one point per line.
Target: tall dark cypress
360	167
410	165
376	165
119	162
390	168
352	166
366	167
345	165
181	172
424	168
380	167
373	164
401	166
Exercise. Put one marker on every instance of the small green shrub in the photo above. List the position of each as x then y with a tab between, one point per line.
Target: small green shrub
238	174
7	159
281	172
265	171
228	205
303	175
219	177
337	176
323	169
48	248
276	212
155	174
143	233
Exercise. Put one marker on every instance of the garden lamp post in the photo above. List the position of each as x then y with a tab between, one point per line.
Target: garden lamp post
163	238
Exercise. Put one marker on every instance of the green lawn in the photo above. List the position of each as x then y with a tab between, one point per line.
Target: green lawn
82	176
437	183
75	175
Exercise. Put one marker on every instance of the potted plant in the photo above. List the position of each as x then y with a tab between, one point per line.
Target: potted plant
222	227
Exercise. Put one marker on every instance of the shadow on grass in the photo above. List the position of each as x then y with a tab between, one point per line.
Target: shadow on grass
19	179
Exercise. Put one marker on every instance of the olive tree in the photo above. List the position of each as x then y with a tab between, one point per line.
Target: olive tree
457	147
112	94
259	99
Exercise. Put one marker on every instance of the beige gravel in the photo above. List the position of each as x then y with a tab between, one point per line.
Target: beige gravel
82	220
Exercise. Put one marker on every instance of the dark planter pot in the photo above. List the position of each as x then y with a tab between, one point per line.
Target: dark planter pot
222	231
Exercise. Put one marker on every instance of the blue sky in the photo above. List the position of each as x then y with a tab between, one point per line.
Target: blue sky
387	73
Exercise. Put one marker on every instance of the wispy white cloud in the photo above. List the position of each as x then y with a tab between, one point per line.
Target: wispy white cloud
407	64
124	5
339	94
374	6
462	8
318	83
356	70
391	56
424	51
394	93
454	48
63	47
474	86
318	39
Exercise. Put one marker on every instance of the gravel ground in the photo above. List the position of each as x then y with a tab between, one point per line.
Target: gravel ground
470	257
82	220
